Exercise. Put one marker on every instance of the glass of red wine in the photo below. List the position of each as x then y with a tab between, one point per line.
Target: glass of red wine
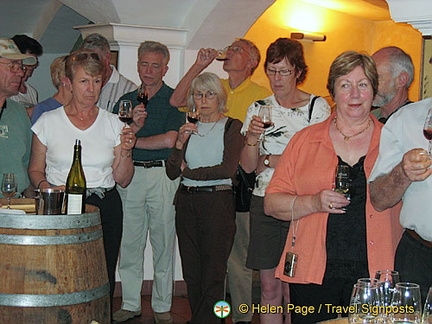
125	111
265	112
192	116
427	130
142	95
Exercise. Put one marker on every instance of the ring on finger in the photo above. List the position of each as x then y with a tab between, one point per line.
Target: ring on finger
331	205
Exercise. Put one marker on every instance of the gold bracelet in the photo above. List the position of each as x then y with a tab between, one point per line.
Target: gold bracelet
249	144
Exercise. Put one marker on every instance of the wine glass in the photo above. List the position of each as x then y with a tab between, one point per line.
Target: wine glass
125	111
364	304
387	282
427	311
142	95
265	112
342	180
222	54
9	187
406	298
427	130
192	115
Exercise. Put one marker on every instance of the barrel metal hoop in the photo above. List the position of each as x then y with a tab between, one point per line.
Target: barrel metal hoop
24	300
50	221
50	240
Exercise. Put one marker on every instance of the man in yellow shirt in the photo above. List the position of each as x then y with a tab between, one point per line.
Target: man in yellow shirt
242	58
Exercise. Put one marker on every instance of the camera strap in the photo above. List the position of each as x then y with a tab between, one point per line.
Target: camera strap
294	224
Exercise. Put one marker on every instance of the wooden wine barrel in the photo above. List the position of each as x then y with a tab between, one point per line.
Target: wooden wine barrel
52	269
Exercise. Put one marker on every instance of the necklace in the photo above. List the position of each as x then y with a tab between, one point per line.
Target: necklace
208	132
348	137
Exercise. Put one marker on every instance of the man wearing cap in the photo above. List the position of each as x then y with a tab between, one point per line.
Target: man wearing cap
241	60
15	133
28	95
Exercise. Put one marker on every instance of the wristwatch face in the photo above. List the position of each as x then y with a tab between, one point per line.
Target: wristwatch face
266	161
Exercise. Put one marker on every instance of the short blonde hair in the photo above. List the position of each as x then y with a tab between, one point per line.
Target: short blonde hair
208	82
57	69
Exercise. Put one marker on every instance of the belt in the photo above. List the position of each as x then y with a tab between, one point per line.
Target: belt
149	164
417	237
205	188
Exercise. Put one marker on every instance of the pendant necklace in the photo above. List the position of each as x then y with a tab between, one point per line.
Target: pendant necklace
208	132
348	137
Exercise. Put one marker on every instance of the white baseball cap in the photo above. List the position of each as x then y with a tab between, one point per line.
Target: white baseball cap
9	50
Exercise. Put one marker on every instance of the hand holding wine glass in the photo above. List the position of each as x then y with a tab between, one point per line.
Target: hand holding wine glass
427	130
342	180
125	111
9	186
265	113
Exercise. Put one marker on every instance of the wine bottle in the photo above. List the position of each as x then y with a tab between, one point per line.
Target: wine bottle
76	184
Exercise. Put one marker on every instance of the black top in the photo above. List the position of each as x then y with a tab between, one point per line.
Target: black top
346	233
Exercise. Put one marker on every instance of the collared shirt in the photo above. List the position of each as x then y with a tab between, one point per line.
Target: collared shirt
161	118
240	98
403	132
15	143
307	167
116	86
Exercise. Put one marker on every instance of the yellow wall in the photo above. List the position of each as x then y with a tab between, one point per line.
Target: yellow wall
344	32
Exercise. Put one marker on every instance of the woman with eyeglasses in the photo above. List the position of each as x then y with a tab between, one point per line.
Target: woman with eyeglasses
291	110
106	149
205	157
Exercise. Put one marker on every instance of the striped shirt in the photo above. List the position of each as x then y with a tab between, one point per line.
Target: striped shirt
116	86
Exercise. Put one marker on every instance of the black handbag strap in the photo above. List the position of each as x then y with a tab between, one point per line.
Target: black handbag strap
311	107
243	175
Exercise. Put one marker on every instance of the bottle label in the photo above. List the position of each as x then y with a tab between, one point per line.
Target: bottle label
74	204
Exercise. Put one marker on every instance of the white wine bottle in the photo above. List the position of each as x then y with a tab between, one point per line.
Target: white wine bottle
76	184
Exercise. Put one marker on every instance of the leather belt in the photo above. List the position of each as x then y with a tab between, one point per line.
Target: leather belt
417	237
205	188
149	164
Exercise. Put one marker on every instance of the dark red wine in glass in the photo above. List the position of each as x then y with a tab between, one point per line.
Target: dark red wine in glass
126	120
428	133
267	124
142	96
192	119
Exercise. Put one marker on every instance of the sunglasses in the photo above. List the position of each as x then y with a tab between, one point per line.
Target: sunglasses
85	56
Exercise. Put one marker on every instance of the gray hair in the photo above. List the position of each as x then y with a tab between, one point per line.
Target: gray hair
208	82
154	47
253	52
96	42
399	62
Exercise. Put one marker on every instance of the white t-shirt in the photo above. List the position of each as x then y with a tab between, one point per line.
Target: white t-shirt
58	134
403	132
286	122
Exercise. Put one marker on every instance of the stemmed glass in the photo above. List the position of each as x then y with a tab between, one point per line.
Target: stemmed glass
342	180
365	299
427	311
406	298
125	111
427	130
9	187
142	95
265	112
192	116
387	283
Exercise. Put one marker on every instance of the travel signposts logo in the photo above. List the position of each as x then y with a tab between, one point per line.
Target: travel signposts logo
222	309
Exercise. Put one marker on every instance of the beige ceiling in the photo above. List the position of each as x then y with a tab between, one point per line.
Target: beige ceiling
368	9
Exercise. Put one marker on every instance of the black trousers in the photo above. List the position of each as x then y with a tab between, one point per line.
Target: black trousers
205	224
414	263
111	213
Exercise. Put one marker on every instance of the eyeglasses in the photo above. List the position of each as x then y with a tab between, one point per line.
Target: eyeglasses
85	56
281	72
209	95
14	66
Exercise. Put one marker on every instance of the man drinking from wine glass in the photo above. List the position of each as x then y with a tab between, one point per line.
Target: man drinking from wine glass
15	133
148	200
402	172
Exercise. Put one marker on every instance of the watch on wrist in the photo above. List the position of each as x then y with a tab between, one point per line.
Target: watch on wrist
267	160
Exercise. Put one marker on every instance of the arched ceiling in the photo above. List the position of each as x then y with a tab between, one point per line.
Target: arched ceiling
52	21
